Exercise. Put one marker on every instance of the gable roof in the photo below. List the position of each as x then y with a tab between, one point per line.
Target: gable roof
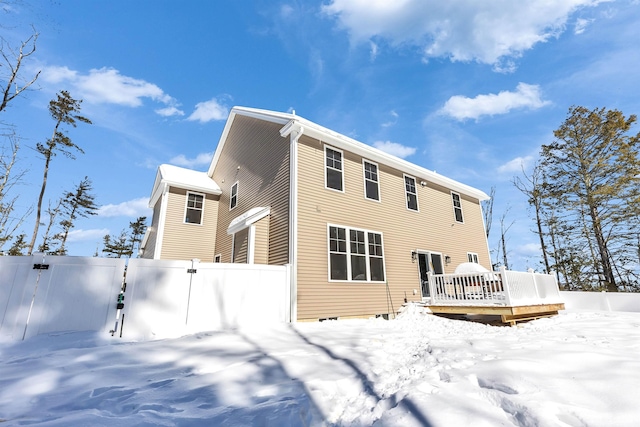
292	122
178	177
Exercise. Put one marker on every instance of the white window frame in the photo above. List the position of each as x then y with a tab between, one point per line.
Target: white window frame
472	257
328	147
217	258
455	208
231	205
377	182
406	192
348	254
186	208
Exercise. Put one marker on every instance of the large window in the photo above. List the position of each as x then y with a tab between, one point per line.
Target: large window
333	165
233	199
411	193
371	186
457	207
355	255
195	205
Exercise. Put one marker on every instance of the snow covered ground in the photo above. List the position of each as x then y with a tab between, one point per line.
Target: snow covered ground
576	369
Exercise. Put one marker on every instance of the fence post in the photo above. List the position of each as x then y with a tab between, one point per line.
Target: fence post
505	285
535	283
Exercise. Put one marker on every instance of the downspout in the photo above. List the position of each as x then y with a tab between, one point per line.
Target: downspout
294	131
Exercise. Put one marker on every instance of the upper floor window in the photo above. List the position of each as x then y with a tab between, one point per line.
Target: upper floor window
371	183
233	199
195	206
472	257
457	207
333	165
410	191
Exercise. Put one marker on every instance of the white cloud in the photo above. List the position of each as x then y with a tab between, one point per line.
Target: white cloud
526	96
516	165
82	235
199	160
581	25
373	52
393	121
486	31
529	249
132	208
208	111
169	111
394	148
108	86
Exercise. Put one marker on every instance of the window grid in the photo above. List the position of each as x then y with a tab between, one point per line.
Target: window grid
333	165
195	206
411	193
359	260
371	183
457	207
233	199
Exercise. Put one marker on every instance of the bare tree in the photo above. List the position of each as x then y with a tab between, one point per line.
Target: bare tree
12	84
8	178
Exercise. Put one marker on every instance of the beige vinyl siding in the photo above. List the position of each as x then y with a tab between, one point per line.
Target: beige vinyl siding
433	228
240	242
188	241
257	157
150	247
261	254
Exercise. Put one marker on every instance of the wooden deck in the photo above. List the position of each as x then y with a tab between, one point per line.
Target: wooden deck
508	314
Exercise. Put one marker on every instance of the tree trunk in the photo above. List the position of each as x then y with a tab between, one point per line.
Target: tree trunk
607	270
39	209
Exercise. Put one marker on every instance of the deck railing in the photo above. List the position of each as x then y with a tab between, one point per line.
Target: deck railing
504	287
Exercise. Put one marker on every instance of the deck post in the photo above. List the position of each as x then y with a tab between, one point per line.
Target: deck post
505	285
432	287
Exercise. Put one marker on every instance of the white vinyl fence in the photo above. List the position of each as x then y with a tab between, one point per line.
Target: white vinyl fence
171	298
43	294
46	294
601	301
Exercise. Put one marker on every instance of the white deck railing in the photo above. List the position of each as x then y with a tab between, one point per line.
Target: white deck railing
504	288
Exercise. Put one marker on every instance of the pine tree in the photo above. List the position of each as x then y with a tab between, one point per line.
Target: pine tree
18	245
138	229
77	203
118	247
593	171
64	110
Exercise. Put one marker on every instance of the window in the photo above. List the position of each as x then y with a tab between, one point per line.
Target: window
333	176
457	207
195	205
358	260
410	191
371	189
472	257
217	258
233	200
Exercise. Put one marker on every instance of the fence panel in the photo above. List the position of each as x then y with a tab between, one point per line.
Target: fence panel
164	299
70	294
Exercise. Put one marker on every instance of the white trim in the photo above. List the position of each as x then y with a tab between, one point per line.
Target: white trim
162	218
364	180
251	244
404	188
293	222
348	254
324	164
454	207
251	216
218	257
233	247
237	185
186	207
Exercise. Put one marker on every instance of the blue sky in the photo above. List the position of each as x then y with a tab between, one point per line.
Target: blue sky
469	89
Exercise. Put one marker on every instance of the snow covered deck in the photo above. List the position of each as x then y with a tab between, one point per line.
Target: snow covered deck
511	294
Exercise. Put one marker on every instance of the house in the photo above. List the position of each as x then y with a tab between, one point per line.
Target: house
360	228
